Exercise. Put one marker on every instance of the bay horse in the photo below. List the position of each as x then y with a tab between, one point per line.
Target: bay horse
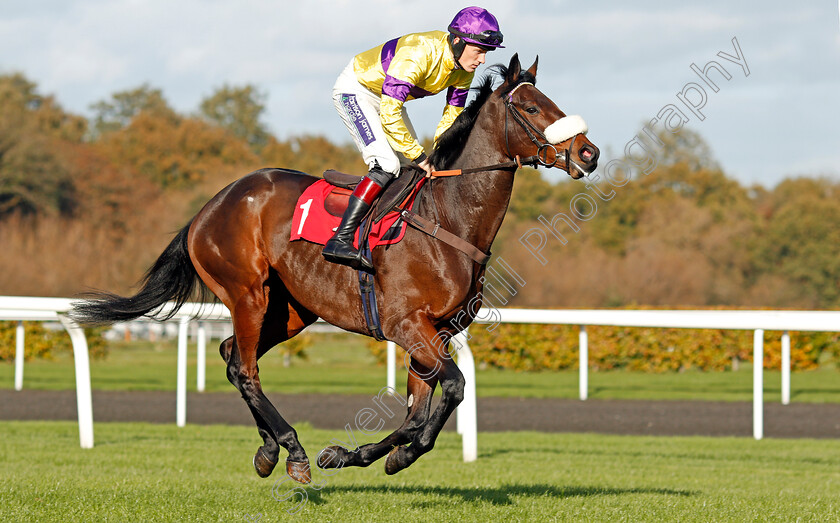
238	246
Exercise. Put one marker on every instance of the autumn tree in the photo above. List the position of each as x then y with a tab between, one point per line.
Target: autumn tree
118	112
531	196
175	151
313	155
35	132
238	109
800	240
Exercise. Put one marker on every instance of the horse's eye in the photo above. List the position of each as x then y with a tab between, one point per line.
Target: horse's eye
532	110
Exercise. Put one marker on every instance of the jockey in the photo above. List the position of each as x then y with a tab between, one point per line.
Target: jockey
369	96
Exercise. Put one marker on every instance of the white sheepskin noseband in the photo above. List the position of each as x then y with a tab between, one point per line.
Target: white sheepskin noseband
565	128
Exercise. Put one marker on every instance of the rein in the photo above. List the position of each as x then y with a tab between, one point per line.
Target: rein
530	160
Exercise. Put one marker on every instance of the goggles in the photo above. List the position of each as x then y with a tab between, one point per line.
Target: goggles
491	38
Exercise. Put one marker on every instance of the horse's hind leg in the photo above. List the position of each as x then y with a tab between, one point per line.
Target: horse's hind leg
257	330
267	456
420	392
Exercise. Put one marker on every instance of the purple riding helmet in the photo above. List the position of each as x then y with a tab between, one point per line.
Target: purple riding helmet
474	25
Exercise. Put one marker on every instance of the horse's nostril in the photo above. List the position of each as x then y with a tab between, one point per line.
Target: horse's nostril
588	154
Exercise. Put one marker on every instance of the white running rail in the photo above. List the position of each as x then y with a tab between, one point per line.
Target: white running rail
55	309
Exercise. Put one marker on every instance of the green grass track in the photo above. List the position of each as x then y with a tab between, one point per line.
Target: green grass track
143	472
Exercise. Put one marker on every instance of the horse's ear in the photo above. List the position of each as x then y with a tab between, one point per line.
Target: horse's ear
513	69
533	68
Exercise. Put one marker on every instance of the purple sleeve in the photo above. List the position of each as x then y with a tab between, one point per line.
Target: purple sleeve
456	96
400	89
396	88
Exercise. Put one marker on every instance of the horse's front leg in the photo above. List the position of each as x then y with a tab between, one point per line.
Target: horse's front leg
452	385
420	392
430	361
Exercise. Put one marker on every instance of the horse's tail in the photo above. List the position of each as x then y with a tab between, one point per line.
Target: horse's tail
172	278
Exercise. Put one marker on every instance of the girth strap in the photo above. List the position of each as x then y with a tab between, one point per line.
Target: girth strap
369	305
370	308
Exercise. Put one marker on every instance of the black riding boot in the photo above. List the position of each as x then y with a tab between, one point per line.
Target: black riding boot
340	247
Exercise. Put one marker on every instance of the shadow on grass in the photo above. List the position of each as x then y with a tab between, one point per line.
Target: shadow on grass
662	391
601	453
800	391
502	495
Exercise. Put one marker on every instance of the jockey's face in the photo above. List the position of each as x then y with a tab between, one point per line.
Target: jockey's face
472	57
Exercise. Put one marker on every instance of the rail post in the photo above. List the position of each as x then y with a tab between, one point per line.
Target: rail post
583	342
391	350
758	384
201	356
19	354
181	387
467	420
84	402
785	368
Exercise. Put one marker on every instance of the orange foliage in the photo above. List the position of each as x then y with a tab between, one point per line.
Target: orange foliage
175	153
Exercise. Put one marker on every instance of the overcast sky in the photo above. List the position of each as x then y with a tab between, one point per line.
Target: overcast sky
616	63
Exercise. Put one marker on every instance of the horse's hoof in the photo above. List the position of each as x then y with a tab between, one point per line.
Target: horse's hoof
263	464
330	457
299	471
397	460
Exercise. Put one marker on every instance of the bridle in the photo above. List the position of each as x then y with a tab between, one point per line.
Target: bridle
544	146
434	229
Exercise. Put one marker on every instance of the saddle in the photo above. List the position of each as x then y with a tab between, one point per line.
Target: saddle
396	194
321	206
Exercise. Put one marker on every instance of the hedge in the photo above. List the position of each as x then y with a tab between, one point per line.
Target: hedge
531	347
555	347
44	343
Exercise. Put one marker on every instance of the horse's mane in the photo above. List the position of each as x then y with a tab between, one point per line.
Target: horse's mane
451	143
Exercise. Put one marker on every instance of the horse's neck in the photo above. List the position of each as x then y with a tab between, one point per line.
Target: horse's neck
473	206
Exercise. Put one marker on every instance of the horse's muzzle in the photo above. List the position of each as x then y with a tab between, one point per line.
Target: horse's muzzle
589	154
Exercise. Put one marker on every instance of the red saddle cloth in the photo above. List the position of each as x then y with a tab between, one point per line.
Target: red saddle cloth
312	221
